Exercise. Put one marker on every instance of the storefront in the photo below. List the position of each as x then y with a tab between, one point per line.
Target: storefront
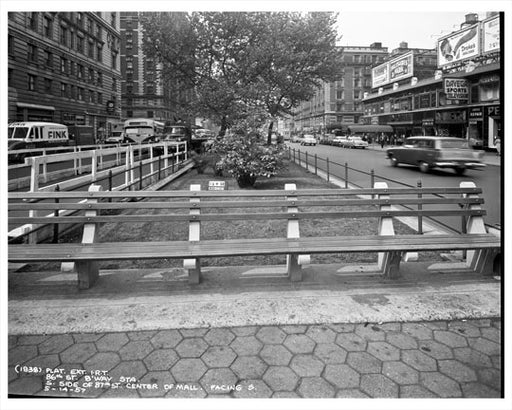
493	125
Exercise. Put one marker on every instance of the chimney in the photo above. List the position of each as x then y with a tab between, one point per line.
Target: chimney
403	44
471	18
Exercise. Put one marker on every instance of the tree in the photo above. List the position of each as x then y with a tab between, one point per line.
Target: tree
235	63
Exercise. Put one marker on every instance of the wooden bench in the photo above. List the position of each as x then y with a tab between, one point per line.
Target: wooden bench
289	206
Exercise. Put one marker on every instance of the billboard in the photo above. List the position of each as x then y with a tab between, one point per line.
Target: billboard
459	46
393	70
491	35
380	75
456	89
401	67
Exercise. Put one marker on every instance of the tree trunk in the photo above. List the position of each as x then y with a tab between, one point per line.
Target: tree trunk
269	136
223	126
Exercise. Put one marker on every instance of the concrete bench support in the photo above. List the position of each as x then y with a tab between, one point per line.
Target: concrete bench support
194	234
388	262
480	261
88	271
294	262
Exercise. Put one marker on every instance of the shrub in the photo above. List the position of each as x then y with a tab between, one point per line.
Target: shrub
247	157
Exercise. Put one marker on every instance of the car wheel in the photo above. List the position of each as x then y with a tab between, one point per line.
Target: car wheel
394	161
424	167
460	171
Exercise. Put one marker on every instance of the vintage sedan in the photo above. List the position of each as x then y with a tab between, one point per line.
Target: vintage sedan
436	152
355	142
308	139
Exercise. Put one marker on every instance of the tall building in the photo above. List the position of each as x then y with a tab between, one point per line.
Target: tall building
64	67
144	92
339	104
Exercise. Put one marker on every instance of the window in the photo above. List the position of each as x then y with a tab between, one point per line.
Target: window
89	25
114	60
48	59
347	59
99	52
340	94
114	84
32	20
72	92
32	53
129	89
91	49
100	98
80	20
47	27
63	90
80	44
98	32
150	89
47	86
356	94
63	35
91	75
113	19
91	96
99	79
31	82
150	114
10	45
63	65
129	114
80	71
80	95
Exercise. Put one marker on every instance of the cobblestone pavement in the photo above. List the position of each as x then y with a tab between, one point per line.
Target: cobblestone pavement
414	359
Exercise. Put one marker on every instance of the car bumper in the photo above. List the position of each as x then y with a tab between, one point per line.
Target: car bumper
455	164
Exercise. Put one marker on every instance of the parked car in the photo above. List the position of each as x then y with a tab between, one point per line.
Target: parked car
355	142
339	141
308	139
436	152
296	138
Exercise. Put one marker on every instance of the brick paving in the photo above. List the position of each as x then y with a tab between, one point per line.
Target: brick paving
391	360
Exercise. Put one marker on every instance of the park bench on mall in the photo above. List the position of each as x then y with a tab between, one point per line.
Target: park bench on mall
289	206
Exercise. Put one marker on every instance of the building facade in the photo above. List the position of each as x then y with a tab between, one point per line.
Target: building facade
461	98
339	104
145	93
64	67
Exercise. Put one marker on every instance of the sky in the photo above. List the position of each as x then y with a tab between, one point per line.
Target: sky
419	30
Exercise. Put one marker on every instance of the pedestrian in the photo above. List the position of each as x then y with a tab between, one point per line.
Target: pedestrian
497	143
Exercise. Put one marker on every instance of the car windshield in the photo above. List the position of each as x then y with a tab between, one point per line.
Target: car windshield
461	144
17	132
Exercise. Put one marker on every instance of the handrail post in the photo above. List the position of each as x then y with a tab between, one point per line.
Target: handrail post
298	157
56	214
328	173
372	178
346	175
140	172
307	161
316	164
110	183
420	207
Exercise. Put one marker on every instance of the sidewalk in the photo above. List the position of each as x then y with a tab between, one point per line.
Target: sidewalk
247	332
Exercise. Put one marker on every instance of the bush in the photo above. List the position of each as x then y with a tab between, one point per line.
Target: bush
247	157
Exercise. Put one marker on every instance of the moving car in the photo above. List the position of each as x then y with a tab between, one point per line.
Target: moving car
308	139
436	152
355	142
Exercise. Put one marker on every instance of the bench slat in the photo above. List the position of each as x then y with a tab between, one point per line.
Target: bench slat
242	204
245	216
233	247
240	193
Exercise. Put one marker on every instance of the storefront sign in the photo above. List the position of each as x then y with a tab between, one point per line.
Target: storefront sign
456	89
401	67
458	46
429	122
450	117
491	35
494	111
475	113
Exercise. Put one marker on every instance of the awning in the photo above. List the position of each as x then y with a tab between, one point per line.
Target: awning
370	128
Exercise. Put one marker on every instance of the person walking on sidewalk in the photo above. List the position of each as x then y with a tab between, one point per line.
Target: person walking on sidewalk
497	143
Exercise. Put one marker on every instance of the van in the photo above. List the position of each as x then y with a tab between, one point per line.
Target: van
30	135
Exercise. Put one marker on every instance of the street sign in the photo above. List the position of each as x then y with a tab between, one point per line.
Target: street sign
216	185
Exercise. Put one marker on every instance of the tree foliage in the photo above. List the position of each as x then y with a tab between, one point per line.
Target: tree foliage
231	64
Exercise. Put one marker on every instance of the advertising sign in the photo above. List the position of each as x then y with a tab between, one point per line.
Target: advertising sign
456	89
401	67
491	35
380	75
458	46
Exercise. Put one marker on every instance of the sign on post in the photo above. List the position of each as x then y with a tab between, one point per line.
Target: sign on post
216	185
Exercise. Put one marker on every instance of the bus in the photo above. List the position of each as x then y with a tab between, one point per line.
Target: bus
143	130
31	135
